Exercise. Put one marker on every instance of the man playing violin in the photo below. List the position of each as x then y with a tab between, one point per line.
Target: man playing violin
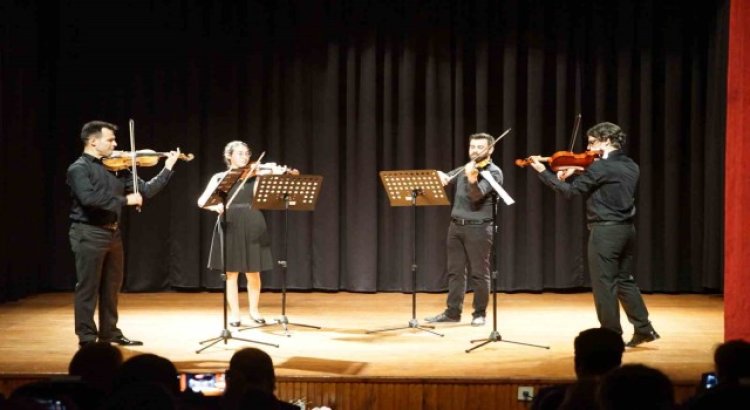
609	186
98	196
470	233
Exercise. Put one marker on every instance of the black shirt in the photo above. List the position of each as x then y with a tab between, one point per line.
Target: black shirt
98	195
608	185
472	201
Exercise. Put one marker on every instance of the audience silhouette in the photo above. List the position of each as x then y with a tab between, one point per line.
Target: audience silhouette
101	380
732	365
96	364
635	386
596	351
148	368
92	371
251	382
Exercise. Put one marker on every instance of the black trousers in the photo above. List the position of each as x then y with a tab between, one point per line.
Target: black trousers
610	253
99	274
468	251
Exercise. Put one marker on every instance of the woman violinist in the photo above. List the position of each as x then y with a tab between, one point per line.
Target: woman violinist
609	186
248	244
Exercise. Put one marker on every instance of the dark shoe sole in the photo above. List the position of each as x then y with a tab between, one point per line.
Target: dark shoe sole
444	319
638	340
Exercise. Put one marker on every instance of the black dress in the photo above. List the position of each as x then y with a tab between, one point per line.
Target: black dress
247	240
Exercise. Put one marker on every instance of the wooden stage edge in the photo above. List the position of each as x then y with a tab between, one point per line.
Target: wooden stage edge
343	366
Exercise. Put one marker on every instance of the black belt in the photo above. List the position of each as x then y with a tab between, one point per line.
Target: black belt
113	226
463	222
608	223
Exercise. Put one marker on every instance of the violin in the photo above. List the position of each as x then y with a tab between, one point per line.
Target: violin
479	165
562	160
120	160
258	168
269	168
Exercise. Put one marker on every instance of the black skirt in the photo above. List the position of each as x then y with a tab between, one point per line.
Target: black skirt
247	240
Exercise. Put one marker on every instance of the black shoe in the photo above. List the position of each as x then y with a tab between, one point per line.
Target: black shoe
124	341
477	321
442	318
235	324
259	320
640	338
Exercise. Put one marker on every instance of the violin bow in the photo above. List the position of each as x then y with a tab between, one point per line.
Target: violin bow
576	125
134	169
499	138
495	141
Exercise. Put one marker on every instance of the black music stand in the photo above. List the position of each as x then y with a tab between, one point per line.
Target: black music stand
413	188
495	335
219	196
286	192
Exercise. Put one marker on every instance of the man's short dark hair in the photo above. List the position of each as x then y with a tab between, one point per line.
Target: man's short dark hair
608	131
635	386
597	351
96	364
94	129
252	367
148	368
482	135
732	361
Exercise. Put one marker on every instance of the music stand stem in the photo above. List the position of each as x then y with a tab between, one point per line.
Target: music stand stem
413	323
283	321
495	335
225	334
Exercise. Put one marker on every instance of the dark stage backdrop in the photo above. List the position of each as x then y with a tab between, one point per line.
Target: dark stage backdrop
344	89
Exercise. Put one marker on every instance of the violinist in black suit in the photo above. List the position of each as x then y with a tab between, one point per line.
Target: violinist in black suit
98	196
609	186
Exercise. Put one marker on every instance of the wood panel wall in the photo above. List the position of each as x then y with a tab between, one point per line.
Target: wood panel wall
343	394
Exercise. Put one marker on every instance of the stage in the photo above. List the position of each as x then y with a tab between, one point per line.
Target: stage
343	366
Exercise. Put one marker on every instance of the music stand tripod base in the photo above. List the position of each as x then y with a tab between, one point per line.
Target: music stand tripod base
495	335
286	193
282	321
226	335
413	188
413	324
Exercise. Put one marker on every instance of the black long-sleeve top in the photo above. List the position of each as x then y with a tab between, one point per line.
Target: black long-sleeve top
608	185
98	194
471	201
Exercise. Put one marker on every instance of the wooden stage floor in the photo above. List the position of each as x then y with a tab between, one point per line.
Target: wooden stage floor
37	335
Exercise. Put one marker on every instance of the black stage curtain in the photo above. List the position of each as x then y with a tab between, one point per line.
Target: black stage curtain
344	89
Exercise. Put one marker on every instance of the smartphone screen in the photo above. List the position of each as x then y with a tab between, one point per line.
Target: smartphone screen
709	380
209	384
50	404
